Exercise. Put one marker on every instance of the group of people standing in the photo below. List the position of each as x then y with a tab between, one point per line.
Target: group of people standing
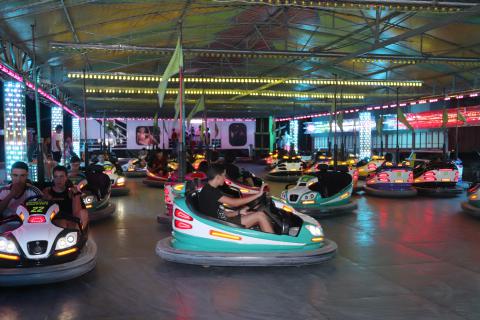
54	150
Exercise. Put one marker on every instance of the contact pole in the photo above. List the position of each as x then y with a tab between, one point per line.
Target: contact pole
397	153
40	161
85	148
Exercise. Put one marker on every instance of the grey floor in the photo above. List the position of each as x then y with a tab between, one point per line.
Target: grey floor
397	259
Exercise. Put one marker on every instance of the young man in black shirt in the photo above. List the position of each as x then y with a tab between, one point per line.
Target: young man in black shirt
211	198
66	196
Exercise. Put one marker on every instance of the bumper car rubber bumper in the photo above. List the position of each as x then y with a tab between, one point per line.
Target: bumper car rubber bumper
327	211
103	213
471	209
122	191
245	259
135	174
85	262
439	192
164	219
407	193
154	183
284	177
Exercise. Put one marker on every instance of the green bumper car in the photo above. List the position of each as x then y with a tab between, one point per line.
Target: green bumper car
320	194
199	239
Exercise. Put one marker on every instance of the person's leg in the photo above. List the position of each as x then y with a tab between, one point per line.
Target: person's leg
257	218
83	216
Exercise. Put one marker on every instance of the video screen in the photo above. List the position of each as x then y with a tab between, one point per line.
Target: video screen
146	136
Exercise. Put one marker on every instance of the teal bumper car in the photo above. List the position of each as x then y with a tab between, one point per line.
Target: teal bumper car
321	194
202	240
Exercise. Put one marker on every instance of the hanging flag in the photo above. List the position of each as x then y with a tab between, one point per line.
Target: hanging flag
403	119
164	127
461	117
177	108
380	125
444	118
199	106
173	67
216	130
332	111
340	121
155	124
202	133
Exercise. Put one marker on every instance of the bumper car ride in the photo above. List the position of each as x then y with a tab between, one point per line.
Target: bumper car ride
174	189
321	194
35	250
155	180
472	206
96	194
117	180
286	171
365	168
391	182
437	179
201	240
98	208
132	169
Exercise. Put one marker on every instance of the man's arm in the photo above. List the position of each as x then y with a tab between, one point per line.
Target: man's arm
4	202
238	202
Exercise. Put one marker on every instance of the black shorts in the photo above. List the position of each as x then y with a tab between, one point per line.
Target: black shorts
237	219
57	156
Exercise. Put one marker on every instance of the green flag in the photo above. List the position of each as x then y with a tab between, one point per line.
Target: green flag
340	121
380	125
403	119
199	106
155	123
444	118
176	62
461	117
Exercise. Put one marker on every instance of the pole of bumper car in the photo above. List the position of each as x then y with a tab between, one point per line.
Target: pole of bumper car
85	148
397	151
335	147
40	163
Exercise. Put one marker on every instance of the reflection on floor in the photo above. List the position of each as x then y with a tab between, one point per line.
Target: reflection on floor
397	259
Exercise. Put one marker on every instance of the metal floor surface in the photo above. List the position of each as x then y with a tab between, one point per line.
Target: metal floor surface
397	259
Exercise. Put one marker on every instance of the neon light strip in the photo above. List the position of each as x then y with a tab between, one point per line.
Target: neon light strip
30	85
403	104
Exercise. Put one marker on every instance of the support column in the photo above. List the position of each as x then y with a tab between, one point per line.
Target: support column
365	134
76	135
15	126
294	134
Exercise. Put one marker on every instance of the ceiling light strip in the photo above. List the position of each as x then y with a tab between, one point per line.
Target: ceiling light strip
253	80
283	94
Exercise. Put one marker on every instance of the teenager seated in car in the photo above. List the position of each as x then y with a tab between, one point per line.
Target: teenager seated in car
75	175
67	196
159	164
234	173
211	199
17	192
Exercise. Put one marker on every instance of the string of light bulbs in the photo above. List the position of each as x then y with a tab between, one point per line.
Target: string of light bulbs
246	80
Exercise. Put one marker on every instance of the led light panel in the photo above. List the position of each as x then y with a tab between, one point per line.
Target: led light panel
15	124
